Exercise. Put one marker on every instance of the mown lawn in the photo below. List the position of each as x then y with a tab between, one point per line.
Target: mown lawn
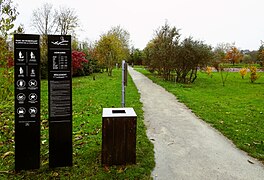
236	110
89	98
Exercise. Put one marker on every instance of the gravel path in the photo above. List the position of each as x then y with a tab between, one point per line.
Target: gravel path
185	146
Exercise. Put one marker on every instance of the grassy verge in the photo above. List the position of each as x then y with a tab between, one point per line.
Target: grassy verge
236	110
89	97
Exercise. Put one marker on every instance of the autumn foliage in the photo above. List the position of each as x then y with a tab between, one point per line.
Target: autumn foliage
253	73
208	70
243	72
78	59
233	55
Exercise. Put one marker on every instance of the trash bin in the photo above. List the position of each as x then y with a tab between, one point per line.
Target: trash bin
119	136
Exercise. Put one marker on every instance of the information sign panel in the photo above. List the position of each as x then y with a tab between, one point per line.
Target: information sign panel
60	101
27	101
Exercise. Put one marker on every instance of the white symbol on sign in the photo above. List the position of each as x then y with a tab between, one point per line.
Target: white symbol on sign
32	55
20	55
21	83
32	110
21	111
32	72
21	71
61	43
32	83
32	97
55	65
21	97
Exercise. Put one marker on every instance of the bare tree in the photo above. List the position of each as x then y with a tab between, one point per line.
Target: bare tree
44	20
67	21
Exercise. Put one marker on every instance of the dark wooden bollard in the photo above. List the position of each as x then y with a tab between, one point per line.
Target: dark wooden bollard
119	136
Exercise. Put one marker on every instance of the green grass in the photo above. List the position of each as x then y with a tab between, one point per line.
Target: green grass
236	110
89	97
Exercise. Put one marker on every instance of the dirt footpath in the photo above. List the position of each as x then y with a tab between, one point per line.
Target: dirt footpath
185	146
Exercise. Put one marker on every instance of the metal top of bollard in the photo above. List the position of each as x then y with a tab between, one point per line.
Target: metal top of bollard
119	112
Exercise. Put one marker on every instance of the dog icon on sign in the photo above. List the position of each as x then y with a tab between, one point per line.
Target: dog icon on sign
32	83
32	110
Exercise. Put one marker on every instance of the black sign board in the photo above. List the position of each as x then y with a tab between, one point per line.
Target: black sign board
27	101
60	101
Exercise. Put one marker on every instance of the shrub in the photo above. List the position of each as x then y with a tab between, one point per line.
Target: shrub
208	70
78	60
253	73
243	72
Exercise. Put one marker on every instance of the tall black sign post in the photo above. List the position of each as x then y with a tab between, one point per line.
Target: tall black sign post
60	101
27	101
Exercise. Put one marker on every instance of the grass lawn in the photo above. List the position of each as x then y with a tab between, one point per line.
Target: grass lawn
236	110
89	97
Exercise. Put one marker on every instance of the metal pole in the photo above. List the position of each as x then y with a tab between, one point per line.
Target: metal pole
123	84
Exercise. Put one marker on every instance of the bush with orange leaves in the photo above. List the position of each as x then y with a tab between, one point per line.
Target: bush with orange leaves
243	72
253	73
208	70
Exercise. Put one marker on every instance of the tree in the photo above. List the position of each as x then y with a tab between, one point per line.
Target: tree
67	21
8	14
136	57
247	58
233	55
261	54
253	74
111	49
243	72
191	56
166	54
44	20
161	50
219	55
78	58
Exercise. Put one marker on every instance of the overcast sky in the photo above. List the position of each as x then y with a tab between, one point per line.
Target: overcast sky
212	21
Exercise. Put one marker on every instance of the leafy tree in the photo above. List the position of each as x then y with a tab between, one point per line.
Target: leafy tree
243	72
254	56
247	58
208	70
165	54
78	58
220	58
192	55
111	49
136	57
261	54
253	74
161	50
233	55
8	14
219	55
150	59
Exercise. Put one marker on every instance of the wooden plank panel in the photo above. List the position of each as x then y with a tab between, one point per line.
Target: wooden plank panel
131	126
